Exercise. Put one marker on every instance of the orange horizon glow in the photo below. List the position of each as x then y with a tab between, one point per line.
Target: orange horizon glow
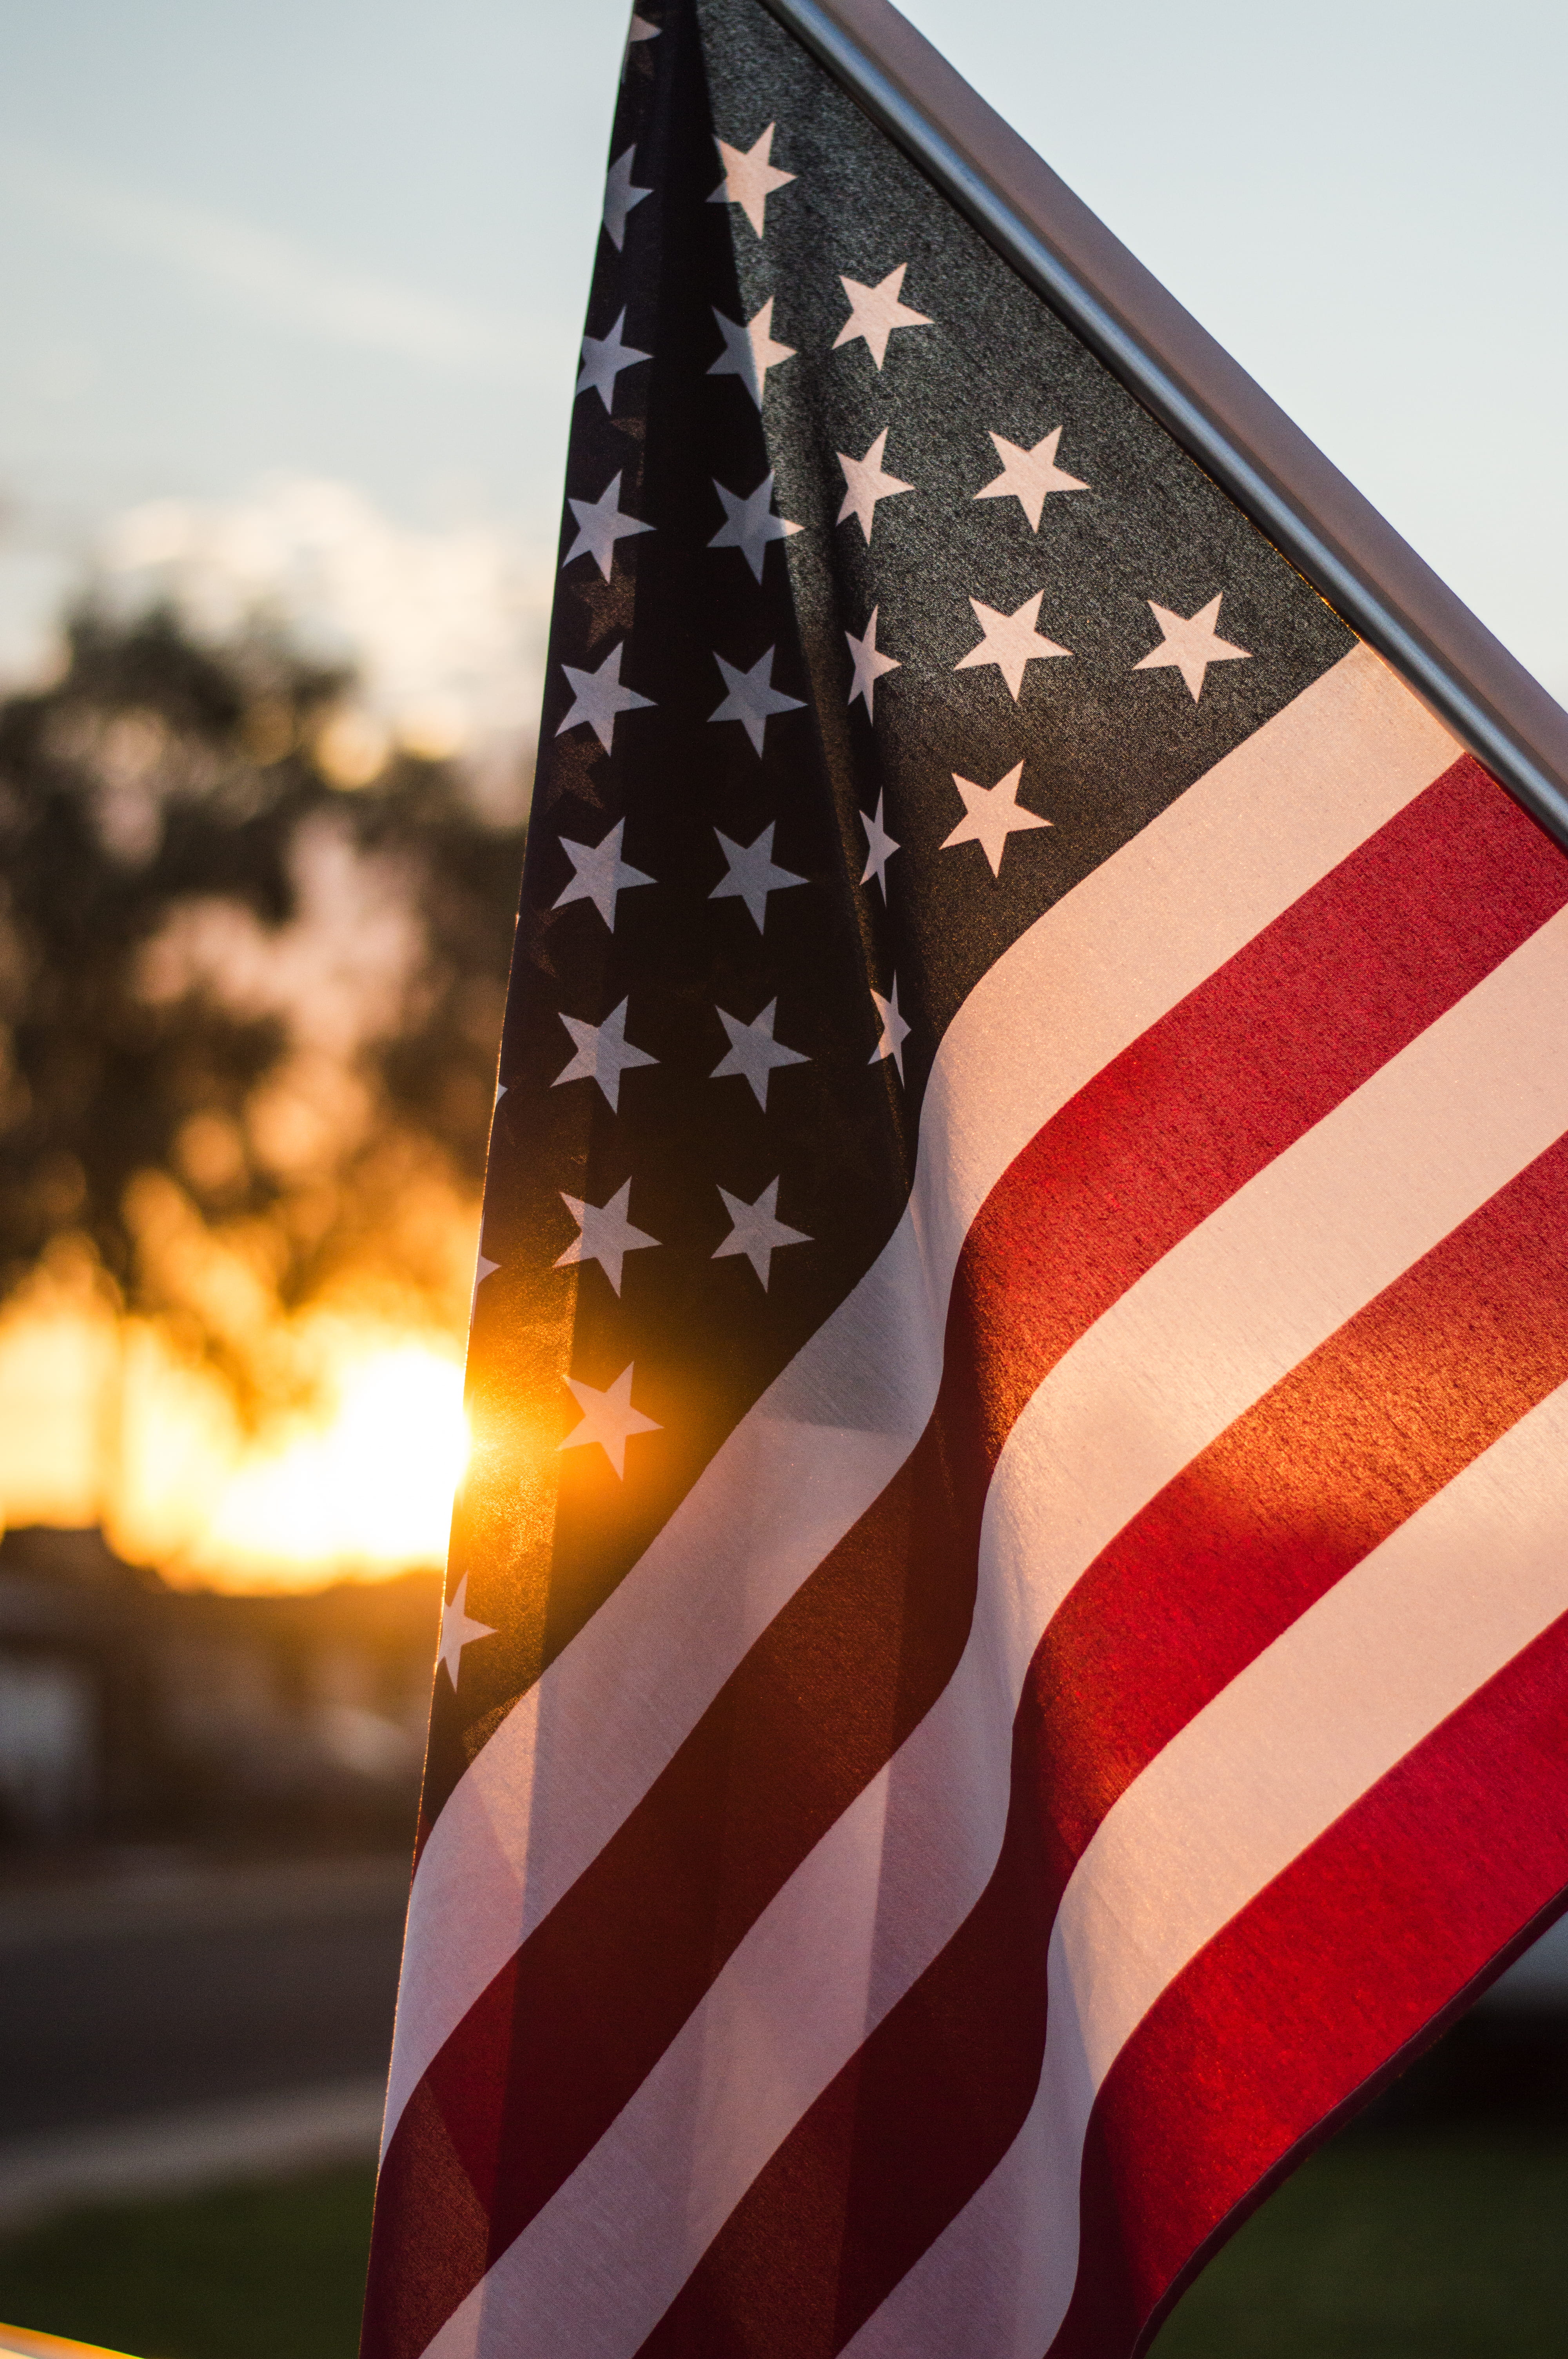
104	1420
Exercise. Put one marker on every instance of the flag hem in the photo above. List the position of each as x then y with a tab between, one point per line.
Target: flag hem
1377	2085
1334	536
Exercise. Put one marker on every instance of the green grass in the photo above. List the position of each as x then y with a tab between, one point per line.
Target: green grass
249	2273
1438	2244
1443	2243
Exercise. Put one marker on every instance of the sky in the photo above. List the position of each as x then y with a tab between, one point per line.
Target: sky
350	240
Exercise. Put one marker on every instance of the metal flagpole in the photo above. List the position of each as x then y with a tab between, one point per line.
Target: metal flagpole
1241	437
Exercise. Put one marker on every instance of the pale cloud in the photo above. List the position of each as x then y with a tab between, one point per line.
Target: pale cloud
443	629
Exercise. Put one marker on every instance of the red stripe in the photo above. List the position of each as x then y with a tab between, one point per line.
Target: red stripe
547	2058
1296	2008
1228	1555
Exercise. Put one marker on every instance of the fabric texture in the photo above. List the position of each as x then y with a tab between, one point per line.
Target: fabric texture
1004	1653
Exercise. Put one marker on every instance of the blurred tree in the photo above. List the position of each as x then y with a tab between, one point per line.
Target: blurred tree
249	1006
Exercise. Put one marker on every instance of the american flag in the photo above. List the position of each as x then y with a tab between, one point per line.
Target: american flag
1005	1653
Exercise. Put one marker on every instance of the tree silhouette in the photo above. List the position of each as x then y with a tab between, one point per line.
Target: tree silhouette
246	1013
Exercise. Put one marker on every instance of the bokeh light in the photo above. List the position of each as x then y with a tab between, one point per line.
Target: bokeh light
103	1420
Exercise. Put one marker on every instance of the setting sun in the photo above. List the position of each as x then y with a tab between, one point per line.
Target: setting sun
101	1420
368	1490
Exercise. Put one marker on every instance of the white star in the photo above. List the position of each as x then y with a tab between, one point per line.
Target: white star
599	697
866	484
1030	476
1011	642
1191	643
990	815
751	698
481	1268
607	1417
756	1232
603	1054
621	197
754	1052
606	1235
880	848
603	358
457	1631
752	876
895	1031
601	873
750	351
876	312
639	30
749	179
869	662
600	524
750	524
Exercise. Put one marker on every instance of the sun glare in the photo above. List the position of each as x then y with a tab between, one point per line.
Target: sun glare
101	1420
371	1488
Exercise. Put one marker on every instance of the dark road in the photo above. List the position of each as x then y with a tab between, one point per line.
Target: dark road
150	1992
154	1991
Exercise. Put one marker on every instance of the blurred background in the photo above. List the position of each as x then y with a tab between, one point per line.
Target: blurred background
291	302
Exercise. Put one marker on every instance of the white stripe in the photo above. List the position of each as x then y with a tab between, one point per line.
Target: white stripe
1304	1731
1189	1348
1146	928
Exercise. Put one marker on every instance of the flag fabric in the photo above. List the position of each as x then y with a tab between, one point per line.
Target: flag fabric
1005	1653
